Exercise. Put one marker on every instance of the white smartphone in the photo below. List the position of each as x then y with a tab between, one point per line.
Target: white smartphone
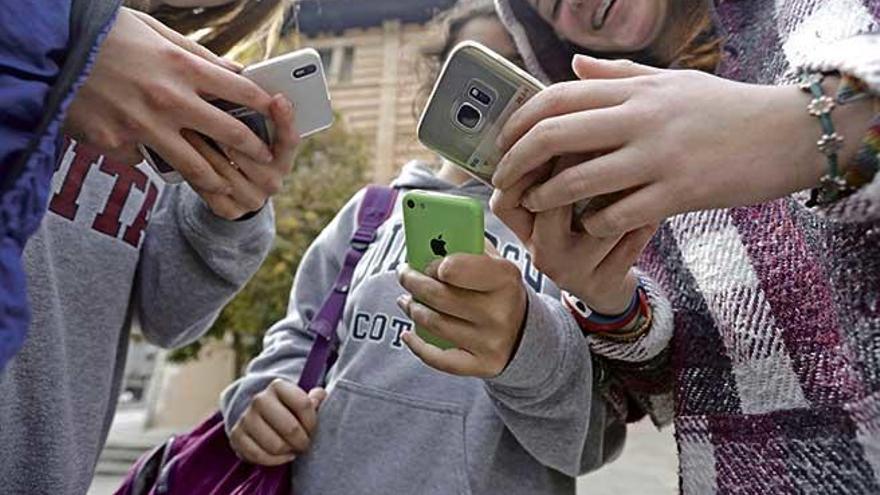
299	76
475	94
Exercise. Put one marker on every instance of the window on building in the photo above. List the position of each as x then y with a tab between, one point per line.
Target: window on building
345	69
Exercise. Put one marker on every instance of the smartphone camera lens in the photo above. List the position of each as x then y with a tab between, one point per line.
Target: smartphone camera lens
411	204
468	116
304	71
480	95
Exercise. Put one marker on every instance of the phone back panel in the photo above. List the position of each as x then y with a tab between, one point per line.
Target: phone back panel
470	66
308	92
436	225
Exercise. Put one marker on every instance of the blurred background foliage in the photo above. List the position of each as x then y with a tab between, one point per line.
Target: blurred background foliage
330	167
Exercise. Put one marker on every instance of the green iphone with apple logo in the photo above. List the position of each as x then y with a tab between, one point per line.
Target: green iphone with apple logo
437	225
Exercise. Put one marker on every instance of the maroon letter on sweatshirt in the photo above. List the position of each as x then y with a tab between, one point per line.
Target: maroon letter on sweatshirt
64	202
135	231
126	177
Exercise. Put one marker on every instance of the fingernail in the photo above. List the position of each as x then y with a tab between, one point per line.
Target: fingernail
529	203
266	156
403	302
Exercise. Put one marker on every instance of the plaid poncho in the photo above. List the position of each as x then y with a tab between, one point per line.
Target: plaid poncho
776	354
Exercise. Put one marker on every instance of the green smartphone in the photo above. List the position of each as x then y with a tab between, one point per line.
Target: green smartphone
437	225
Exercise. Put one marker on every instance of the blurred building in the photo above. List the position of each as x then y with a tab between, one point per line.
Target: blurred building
371	50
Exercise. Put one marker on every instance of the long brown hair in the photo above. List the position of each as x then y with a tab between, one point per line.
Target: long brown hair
223	27
700	47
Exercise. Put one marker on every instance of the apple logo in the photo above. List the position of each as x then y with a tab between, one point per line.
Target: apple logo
438	246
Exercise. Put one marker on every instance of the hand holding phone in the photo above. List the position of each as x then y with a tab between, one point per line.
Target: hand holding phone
477	91
299	77
437	225
251	183
468	304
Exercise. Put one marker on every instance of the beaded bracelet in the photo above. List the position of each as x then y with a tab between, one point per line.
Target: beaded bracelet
832	185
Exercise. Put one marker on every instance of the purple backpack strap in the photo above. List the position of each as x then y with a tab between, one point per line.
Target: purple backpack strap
375	208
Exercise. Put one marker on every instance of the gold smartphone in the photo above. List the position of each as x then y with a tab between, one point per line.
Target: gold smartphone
477	91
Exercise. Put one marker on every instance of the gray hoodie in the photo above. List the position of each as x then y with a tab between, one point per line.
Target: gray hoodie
116	241
393	425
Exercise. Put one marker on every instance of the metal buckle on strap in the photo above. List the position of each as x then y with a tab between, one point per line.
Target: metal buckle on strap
362	239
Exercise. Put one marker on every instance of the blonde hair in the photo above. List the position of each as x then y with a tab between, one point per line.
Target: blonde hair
236	25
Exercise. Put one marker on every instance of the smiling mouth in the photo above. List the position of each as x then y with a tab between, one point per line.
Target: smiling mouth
601	14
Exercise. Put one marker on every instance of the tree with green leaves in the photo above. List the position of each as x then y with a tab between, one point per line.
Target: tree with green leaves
330	167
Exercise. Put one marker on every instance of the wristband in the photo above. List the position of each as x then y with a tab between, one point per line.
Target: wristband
594	323
864	166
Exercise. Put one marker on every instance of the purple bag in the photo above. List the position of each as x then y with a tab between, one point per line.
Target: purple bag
202	462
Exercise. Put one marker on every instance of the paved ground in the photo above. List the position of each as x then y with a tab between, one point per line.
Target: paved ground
647	466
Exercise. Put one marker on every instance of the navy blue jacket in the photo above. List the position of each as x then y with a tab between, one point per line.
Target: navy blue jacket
46	48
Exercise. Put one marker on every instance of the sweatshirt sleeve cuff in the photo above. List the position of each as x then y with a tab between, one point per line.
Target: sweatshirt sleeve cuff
545	340
649	345
199	218
238	396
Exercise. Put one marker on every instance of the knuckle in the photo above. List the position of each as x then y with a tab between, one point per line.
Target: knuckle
160	95
425	317
237	136
574	181
132	126
555	97
291	429
106	139
253	203
197	174
250	93
225	211
612	221
261	402
278	384
275	447
546	132
511	271
181	59
273	184
434	293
